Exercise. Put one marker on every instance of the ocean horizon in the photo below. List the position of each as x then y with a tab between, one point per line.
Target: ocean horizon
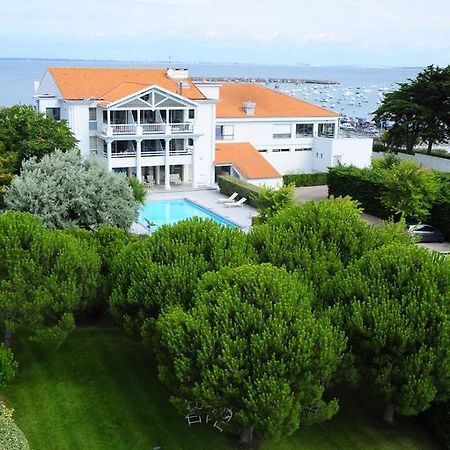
357	92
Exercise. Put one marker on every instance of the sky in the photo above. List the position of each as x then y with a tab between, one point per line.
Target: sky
327	32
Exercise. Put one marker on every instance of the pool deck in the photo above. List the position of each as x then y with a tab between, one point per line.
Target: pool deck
208	199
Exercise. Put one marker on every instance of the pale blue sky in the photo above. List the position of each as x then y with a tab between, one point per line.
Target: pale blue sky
327	32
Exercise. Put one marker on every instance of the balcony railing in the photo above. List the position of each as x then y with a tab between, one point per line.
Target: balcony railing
152	153
146	128
127	154
157	128
182	127
181	151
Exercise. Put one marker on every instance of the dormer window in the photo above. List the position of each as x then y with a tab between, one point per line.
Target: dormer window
53	113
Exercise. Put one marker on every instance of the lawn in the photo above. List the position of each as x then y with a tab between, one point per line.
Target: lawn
100	391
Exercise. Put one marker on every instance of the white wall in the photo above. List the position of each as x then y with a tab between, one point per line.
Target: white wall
432	162
78	118
290	162
204	145
356	152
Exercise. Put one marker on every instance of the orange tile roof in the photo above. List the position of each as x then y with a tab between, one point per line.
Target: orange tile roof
246	160
112	84
269	103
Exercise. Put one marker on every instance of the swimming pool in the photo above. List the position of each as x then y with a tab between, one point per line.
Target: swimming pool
164	212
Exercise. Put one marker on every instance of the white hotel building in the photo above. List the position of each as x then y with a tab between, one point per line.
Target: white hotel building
162	127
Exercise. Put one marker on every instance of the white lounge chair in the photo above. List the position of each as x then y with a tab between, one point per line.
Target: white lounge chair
238	203
229	199
149	181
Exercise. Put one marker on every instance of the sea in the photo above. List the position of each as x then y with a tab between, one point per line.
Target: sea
352	91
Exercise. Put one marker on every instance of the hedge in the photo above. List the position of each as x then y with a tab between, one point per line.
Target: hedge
305	179
363	185
228	185
359	184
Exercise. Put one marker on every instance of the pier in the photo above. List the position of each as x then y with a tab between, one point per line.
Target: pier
263	80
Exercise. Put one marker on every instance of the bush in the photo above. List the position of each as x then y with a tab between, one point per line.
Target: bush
11	436
8	365
270	201
46	277
228	185
305	179
67	191
139	189
362	185
163	269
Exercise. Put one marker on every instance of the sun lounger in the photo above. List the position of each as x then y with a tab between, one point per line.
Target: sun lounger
229	199
238	203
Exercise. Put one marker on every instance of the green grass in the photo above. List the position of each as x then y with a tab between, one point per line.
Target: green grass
100	391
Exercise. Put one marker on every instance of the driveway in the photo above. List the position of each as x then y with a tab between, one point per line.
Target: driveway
316	193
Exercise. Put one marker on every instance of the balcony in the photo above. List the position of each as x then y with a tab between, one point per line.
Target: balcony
146	129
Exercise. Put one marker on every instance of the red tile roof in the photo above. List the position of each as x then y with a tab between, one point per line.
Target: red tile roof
112	84
246	160
269	103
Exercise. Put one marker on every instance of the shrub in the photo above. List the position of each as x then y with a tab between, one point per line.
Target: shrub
270	201
164	268
228	185
66	191
8	365
139	189
251	343
11	436
305	179
438	420
46	277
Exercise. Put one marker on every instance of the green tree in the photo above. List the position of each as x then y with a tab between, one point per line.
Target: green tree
66	191
394	307
409	190
163	269
46	276
318	239
11	436
270	201
139	189
252	344
419	110
25	132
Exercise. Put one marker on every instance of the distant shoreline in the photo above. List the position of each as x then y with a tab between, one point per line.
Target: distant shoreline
166	62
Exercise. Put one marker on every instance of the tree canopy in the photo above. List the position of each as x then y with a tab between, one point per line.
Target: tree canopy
46	277
393	304
251	343
419	110
65	191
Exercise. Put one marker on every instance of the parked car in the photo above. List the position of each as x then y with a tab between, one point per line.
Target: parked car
426	233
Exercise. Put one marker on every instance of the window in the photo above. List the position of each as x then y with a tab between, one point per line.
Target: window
278	150
281	131
191	113
306	149
93	114
190	142
53	113
326	129
262	150
304	129
224	132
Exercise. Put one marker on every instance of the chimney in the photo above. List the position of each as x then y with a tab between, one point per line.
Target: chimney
249	107
177	74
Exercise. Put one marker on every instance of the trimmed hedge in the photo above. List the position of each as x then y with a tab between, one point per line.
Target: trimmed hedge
363	185
359	184
229	184
305	179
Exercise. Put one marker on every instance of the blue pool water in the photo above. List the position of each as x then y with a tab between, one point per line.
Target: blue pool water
171	211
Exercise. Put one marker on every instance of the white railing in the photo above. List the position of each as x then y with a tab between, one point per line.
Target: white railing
124	128
104	128
182	127
152	153
181	151
158	128
123	154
